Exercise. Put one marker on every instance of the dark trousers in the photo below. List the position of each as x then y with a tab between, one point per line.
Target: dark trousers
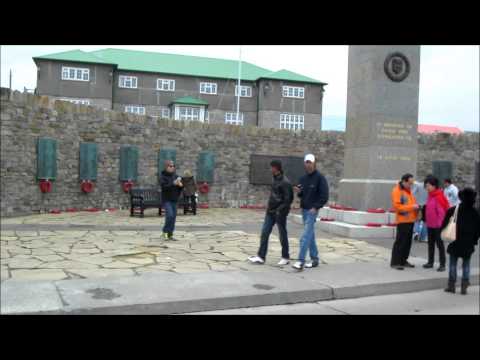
402	245
434	239
270	221
190	202
170	216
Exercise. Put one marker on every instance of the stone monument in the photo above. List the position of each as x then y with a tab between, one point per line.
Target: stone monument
382	119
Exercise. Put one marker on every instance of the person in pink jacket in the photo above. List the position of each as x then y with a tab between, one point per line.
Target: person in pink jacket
435	210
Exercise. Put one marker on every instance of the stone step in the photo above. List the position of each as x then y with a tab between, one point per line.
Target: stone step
357	217
353	231
356	231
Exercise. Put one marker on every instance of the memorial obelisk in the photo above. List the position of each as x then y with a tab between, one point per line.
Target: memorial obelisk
382	120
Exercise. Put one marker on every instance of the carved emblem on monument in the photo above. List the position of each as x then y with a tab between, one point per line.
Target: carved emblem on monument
397	67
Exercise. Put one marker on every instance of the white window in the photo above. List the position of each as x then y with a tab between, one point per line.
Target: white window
293	92
245	91
139	110
231	118
78	74
77	101
165	113
129	82
208	88
292	121
165	85
189	113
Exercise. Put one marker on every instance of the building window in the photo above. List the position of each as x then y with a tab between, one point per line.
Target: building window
293	92
77	101
208	88
129	82
292	121
165	113
245	91
189	113
139	110
231	118
165	85
78	74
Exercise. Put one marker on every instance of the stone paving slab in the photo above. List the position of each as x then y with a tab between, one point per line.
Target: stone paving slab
216	248
204	217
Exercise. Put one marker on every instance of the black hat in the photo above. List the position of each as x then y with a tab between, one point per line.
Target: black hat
277	164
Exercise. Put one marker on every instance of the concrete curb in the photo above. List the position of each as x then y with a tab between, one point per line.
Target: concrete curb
188	293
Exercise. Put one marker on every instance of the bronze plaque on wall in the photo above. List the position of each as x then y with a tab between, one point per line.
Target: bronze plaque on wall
442	170
260	170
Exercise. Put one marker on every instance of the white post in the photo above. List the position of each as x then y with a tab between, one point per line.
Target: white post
238	87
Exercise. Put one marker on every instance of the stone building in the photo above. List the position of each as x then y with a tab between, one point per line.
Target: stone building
182	87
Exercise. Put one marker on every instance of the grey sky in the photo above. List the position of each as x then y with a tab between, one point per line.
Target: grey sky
449	75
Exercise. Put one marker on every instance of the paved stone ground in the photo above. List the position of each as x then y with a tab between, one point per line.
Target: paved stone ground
53	247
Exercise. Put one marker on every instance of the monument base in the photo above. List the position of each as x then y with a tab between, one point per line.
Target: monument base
364	194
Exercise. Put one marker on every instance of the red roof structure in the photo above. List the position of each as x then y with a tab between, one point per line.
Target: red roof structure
431	129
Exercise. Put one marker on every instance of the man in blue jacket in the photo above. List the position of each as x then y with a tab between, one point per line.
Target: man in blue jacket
313	192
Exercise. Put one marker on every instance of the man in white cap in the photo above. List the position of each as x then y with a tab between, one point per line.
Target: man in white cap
313	192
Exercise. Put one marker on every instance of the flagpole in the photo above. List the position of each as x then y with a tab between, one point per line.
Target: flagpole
238	87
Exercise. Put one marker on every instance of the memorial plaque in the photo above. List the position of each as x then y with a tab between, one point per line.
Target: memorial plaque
260	170
442	170
46	159
128	163
88	161
206	166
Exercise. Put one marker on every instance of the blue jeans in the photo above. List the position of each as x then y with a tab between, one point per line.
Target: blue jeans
307	242
452	276
420	228
270	221
170	216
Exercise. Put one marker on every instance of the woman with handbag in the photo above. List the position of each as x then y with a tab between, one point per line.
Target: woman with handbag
461	226
435	210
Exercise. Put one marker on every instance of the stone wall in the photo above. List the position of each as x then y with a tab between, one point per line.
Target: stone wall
25	118
461	150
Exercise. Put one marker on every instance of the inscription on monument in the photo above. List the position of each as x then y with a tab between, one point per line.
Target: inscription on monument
260	173
394	131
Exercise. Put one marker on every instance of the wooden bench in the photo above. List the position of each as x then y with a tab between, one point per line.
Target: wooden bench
141	199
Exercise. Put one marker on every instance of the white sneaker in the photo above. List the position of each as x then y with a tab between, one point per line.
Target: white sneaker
298	266
283	262
256	260
311	264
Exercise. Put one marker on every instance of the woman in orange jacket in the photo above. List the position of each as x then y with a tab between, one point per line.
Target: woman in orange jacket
406	209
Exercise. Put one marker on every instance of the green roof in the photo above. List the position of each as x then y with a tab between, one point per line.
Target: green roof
75	56
133	60
291	76
190	101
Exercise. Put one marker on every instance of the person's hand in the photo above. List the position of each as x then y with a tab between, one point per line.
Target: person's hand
296	189
313	210
180	184
416	206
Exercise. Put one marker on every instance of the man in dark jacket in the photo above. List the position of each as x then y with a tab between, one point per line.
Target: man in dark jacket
281	197
313	192
171	187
